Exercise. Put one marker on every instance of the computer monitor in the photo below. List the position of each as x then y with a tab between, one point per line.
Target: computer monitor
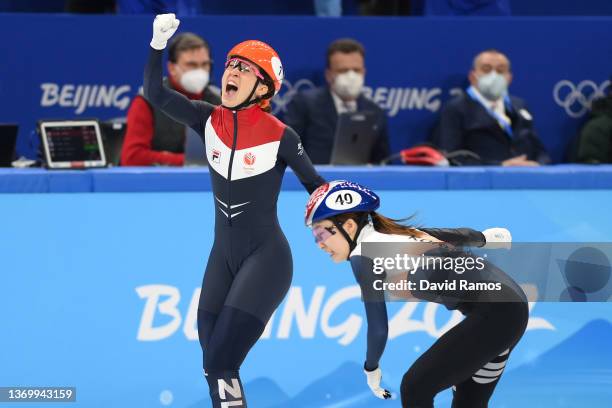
355	136
72	144
8	140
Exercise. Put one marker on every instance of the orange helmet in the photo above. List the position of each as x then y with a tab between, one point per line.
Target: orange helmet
264	56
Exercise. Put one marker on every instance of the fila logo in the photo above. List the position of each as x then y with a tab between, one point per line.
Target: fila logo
216	156
234	390
249	159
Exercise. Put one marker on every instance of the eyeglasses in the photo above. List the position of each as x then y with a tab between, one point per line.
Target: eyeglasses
321	234
243	67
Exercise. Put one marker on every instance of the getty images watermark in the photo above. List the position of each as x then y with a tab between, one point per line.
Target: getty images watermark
552	272
408	265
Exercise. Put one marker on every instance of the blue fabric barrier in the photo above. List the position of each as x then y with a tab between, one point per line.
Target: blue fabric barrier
158	179
100	292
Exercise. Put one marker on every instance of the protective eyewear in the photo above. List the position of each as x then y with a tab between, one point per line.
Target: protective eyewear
321	234
243	67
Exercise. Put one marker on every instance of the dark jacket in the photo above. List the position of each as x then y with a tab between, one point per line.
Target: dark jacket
466	124
154	138
169	135
595	145
312	114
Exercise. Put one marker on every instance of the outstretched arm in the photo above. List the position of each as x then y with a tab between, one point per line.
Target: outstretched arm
175	105
376	315
375	307
489	238
457	236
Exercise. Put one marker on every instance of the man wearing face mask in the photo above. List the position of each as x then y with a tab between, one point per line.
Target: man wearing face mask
154	138
488	121
313	114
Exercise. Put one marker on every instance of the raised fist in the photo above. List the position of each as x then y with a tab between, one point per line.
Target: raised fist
164	26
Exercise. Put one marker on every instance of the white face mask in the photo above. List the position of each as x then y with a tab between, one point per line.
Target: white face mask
348	85
195	80
493	85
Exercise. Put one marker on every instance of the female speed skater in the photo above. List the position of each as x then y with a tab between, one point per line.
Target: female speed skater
249	269
471	356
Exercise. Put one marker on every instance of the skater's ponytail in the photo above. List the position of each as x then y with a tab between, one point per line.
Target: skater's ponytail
383	224
393	226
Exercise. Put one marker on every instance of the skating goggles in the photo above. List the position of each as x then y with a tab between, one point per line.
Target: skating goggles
322	233
243	66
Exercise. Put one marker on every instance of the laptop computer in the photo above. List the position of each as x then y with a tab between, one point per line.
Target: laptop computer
113	134
72	144
8	141
355	136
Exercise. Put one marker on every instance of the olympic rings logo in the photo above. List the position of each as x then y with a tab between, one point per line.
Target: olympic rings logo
577	99
280	101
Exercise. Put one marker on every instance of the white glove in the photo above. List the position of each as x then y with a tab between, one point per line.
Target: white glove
497	238
374	378
164	26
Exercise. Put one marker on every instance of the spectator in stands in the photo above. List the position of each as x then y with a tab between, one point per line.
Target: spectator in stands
595	143
180	7
385	7
152	137
90	7
463	7
488	121
328	8
313	114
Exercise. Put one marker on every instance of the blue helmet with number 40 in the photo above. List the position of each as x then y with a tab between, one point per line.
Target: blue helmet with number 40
339	197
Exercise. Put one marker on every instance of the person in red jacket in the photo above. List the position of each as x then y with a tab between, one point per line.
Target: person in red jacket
152	137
